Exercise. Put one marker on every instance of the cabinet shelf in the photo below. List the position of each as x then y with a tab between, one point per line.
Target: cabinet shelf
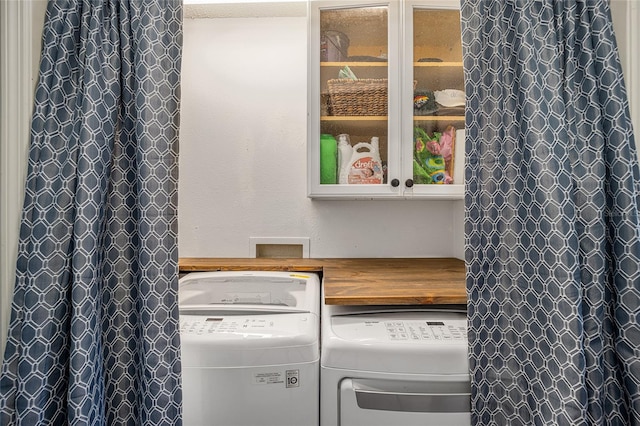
354	118
385	64
354	64
438	118
438	64
384	118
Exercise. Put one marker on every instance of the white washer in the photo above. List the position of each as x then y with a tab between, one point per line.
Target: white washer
384	366
250	348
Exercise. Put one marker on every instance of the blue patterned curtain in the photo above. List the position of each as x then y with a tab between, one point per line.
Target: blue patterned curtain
552	227
93	338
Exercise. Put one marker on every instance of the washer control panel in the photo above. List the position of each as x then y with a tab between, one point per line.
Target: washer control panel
210	325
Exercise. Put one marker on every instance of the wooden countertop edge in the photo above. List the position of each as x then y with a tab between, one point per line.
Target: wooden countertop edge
386	300
203	264
361	281
240	267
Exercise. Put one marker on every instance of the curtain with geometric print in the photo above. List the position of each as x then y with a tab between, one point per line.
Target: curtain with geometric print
552	226
93	337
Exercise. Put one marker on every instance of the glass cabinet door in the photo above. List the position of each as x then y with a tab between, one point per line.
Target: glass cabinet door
438	97
386	99
355	133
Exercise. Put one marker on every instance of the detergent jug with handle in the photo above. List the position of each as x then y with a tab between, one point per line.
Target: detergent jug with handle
365	165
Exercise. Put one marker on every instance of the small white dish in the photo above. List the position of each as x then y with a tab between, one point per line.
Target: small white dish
450	97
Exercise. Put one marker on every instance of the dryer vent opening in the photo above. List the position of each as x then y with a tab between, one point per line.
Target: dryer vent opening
279	251
279	247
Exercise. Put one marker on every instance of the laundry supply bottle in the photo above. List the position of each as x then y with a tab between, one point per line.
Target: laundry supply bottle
328	159
375	146
365	165
344	157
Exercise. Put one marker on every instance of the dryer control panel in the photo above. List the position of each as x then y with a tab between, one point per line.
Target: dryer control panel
424	330
404	342
410	327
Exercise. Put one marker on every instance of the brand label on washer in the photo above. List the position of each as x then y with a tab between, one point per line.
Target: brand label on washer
268	378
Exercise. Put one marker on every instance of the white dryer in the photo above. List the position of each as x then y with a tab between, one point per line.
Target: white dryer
383	366
250	348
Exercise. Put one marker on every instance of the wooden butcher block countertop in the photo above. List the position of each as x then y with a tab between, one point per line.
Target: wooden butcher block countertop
389	281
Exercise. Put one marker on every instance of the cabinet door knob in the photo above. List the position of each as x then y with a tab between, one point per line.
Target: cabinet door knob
395	182
409	183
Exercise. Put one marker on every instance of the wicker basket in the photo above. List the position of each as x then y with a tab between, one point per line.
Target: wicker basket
358	97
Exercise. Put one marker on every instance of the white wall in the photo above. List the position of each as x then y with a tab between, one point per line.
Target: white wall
243	155
243	149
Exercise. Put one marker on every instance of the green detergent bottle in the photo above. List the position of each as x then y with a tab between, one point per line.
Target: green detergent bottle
328	159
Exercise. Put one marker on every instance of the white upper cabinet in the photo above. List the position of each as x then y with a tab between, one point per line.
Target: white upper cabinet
386	100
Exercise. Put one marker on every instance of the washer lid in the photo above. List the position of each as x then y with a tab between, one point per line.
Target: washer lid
401	342
249	291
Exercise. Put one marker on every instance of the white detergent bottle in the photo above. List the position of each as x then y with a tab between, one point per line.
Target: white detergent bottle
375	143
365	165
344	156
